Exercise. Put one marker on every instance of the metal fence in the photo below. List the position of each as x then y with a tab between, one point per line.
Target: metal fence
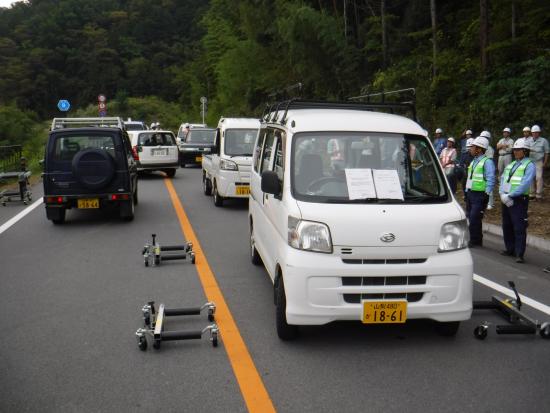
10	158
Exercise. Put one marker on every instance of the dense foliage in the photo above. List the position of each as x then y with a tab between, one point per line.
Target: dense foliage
144	54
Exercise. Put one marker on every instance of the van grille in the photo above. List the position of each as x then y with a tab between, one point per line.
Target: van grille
384	261
383	281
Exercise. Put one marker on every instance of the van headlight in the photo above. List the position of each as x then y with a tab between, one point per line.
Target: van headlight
309	235
454	236
228	165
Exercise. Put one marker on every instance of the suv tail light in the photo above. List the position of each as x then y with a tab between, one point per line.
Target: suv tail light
119	197
55	199
135	153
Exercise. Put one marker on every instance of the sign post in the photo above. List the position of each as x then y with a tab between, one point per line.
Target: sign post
203	107
102	105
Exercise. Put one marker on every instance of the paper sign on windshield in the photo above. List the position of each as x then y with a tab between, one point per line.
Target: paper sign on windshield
360	183
387	184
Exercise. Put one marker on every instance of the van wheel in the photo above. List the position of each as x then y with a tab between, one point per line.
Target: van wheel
218	199
127	210
254	256
285	331
448	329
206	186
170	172
56	215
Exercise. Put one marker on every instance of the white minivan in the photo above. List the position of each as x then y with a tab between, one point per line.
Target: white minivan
226	170
352	216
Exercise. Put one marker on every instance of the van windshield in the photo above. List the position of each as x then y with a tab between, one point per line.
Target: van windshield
386	168
239	142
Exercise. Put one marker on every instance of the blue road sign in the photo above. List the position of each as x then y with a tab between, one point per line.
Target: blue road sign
63	105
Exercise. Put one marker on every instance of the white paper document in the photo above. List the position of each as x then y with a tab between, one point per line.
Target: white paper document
360	183
386	182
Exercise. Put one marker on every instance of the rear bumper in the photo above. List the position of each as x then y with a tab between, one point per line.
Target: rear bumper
71	201
157	166
192	157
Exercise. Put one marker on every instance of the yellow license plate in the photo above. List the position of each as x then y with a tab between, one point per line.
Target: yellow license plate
198	159
88	203
384	312
242	190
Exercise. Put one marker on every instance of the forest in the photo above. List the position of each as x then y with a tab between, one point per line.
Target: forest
474	64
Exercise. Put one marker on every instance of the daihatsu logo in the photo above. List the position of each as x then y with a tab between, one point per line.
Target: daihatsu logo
387	237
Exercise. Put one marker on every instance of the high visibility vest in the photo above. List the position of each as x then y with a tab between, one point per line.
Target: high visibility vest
515	179
476	175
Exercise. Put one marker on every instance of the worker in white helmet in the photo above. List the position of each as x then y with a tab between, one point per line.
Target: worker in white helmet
540	150
440	141
527	132
479	185
448	159
514	194
489	153
504	148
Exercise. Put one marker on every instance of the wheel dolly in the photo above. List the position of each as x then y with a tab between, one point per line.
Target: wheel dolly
153	320
152	252
511	310
24	194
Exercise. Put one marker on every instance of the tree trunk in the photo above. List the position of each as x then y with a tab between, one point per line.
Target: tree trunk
345	21
513	20
384	34
434	38
484	33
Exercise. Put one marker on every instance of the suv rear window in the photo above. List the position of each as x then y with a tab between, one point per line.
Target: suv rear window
156	139
67	146
201	136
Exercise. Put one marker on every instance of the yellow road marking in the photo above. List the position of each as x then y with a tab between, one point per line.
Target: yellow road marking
252	387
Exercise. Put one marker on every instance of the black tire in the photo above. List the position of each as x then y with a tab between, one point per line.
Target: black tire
170	172
215	342
254	256
146	263
193	259
56	215
127	209
447	329
285	331
156	344
206	186
545	331
93	168
218	199
142	343
135	199
480	332
157	260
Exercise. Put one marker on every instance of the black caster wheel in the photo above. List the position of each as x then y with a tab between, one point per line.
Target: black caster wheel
157	260
146	263
147	321
156	344
215	342
480	332
545	331
193	259
142	343
211	317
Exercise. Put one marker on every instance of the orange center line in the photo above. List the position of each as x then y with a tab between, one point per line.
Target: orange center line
252	387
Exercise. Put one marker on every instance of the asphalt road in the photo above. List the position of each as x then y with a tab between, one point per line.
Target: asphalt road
71	298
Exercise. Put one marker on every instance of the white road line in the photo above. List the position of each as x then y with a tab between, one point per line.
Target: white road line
19	216
526	300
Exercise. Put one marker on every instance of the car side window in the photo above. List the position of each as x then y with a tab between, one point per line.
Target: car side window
258	150
267	153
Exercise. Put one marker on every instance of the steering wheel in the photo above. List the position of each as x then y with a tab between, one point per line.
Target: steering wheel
316	185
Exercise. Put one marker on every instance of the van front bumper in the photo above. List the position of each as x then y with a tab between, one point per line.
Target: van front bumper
321	288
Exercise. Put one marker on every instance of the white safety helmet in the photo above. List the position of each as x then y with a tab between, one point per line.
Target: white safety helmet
186	125
439	130
507	130
485	134
470	142
535	128
452	140
527	129
522	143
469	132
481	142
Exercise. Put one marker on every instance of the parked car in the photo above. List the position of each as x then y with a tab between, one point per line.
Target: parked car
89	164
352	216
185	127
156	151
226	171
132	125
198	142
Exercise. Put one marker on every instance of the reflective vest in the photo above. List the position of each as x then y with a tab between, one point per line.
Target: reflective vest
515	178
476	176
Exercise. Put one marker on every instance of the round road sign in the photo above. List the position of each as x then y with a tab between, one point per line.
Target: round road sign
203	99
63	105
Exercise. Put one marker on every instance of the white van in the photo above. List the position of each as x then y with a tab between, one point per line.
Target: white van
352	216
226	171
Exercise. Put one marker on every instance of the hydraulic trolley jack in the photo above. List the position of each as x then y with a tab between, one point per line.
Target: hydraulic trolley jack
510	309
153	252
154	320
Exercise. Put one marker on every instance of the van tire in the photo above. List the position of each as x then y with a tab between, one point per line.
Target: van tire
206	186
218	199
56	215
285	331
254	256
447	329
127	210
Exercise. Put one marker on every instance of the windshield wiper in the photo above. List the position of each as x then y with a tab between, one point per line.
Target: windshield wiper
351	201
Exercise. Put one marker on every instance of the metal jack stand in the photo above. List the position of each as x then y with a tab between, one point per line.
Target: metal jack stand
152	252
154	325
511	310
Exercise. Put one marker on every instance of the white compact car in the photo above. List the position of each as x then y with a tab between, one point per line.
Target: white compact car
155	150
226	170
353	219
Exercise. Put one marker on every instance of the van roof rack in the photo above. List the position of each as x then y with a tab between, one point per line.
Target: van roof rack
105	122
271	111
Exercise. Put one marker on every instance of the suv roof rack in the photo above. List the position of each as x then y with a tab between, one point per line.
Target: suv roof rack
105	122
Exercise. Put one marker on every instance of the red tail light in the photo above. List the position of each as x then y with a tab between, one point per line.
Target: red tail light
135	153
120	197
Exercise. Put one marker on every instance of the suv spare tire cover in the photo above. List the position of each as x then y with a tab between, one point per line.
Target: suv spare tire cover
93	168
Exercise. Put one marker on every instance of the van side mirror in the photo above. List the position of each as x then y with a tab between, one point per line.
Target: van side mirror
271	184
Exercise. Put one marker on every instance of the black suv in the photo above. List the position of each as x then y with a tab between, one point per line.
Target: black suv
89	164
